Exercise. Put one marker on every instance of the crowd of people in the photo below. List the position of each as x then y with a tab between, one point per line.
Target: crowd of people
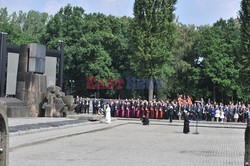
198	110
82	105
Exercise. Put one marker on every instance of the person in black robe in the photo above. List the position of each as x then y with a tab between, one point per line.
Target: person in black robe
171	112
186	123
145	120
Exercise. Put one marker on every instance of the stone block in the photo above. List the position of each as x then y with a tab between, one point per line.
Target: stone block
37	53
68	100
23	58
48	111
20	91
21	76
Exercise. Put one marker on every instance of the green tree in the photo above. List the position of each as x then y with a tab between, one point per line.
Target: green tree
244	17
215	69
153	35
183	60
23	28
95	45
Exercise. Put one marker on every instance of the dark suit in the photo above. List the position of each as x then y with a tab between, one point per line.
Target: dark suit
171	113
186	124
87	106
94	106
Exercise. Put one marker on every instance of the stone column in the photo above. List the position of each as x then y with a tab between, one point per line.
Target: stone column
22	70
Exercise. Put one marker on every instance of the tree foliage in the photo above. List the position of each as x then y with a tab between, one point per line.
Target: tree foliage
96	45
209	61
244	17
153	32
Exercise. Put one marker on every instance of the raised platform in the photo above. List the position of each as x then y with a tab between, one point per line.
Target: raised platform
88	117
16	108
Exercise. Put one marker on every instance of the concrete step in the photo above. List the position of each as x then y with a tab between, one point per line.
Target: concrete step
19	141
16	108
89	117
13	101
18	111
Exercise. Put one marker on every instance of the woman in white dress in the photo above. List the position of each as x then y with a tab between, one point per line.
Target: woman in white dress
217	113
236	113
108	115
222	116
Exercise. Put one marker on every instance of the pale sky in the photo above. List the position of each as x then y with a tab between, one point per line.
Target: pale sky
198	12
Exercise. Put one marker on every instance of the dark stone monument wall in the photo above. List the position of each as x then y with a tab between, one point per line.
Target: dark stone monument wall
22	70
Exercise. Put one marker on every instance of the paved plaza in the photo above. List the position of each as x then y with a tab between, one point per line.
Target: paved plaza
137	145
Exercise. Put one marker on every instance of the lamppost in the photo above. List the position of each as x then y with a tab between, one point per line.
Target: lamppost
71	85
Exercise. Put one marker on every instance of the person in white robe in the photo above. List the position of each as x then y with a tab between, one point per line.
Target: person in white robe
108	115
222	116
217	113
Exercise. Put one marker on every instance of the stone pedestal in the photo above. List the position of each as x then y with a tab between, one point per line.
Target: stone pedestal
32	91
4	135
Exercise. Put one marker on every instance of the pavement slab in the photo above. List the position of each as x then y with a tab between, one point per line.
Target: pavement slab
136	145
22	140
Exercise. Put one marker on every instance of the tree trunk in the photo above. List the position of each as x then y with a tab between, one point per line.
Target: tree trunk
150	89
222	96
214	99
98	94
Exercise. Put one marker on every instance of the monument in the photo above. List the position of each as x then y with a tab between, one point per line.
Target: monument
56	103
31	81
30	77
